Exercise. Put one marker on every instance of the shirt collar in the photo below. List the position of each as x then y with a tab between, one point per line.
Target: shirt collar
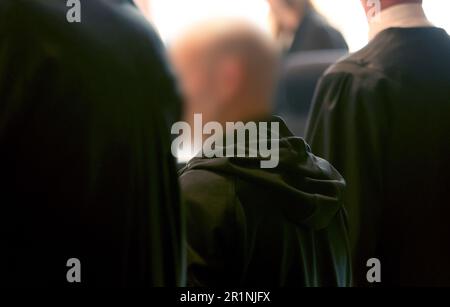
408	15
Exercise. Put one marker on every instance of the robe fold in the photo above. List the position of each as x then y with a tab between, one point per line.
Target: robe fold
381	117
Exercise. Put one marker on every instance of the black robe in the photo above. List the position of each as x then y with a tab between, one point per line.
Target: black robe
381	117
314	33
85	165
275	227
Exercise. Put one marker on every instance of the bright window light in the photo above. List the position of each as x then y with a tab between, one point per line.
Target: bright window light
172	16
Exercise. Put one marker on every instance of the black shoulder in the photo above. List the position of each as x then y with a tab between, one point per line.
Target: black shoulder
356	68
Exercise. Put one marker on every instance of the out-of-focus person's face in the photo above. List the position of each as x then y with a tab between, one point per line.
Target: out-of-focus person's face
144	7
283	17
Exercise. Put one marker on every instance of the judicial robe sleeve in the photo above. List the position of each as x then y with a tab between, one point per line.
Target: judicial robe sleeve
348	125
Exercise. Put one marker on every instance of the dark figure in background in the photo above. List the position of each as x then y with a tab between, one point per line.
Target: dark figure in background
86	169
299	77
312	45
299	28
381	118
249	226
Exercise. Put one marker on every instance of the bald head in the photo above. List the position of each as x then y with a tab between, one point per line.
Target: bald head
227	70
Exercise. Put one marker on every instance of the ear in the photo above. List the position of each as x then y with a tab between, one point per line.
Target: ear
230	79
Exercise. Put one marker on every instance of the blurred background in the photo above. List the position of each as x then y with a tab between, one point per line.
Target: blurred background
172	16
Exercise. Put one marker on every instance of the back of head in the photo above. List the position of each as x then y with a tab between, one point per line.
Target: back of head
385	4
228	70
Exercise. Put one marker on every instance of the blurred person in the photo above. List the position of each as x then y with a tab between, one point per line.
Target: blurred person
249	226
194	58
297	84
381	117
86	169
299	27
312	45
